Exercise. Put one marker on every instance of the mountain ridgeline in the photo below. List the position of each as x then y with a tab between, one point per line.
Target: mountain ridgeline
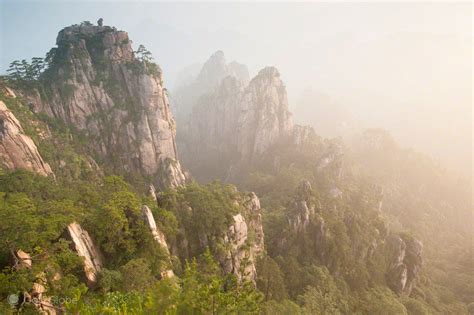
255	215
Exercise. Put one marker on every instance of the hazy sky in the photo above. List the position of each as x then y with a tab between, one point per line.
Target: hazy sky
406	67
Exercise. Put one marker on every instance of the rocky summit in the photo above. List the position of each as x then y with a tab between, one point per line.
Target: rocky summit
116	97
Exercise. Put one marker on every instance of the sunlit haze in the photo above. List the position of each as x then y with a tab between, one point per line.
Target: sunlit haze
404	67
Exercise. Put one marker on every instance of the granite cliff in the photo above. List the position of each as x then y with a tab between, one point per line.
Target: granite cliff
98	85
17	150
207	80
232	126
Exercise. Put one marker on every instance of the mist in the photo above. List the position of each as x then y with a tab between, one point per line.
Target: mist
248	158
403	67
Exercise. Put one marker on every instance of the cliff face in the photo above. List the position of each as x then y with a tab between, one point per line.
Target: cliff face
17	150
209	78
241	257
236	124
116	97
264	117
406	259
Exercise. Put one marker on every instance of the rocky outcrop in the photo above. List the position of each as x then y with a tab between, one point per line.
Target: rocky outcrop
235	247
22	260
264	116
36	295
157	235
303	213
8	92
17	150
302	134
38	298
405	256
99	85
246	241
84	247
236	124
216	69
209	78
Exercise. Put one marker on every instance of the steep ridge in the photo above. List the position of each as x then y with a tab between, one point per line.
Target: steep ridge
115	96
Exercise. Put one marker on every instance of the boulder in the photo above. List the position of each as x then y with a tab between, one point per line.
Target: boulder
22	260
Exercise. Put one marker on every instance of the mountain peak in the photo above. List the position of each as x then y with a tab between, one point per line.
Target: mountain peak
75	32
269	72
95	71
218	55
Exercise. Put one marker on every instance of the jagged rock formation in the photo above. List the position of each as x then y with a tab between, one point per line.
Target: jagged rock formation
302	207
17	150
406	258
303	213
97	84
36	295
209	78
236	124
237	247
264	117
157	235
40	300
84	246
241	258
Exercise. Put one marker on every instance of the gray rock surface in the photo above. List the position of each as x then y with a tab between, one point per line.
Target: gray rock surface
303	213
264	116
214	70
99	86
17	150
406	258
236	248
242	255
36	295
236	124
22	260
85	247
157	235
